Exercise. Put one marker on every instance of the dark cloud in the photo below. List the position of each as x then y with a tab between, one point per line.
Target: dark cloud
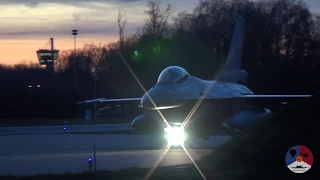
35	3
76	16
84	29
25	18
32	4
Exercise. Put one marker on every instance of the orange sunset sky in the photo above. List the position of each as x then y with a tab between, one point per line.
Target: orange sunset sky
27	25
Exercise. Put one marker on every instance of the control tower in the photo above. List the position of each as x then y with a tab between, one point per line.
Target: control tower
48	56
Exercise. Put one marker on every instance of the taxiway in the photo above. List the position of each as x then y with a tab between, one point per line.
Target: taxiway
30	150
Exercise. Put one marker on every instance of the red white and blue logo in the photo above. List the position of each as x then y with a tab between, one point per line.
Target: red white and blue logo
299	159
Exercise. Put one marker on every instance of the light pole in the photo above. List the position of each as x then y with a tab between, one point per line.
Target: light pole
75	33
95	95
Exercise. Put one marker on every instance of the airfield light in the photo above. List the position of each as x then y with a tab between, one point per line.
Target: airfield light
38	86
90	164
29	86
65	125
175	136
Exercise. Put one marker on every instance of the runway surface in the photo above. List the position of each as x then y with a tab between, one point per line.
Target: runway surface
64	128
77	162
33	152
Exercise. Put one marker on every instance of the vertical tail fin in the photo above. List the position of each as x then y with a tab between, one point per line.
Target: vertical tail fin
233	61
232	71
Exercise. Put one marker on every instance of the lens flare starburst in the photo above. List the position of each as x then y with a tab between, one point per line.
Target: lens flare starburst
175	136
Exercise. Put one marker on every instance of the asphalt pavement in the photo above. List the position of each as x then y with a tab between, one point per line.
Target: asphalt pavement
33	151
64	129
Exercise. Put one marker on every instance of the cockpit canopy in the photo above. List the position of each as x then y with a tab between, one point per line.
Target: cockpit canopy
173	75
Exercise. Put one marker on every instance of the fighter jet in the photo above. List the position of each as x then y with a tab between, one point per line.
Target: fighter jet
203	107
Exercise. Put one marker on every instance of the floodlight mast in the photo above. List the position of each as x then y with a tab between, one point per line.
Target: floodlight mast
75	33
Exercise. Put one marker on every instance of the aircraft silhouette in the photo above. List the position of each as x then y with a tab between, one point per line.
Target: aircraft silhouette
226	102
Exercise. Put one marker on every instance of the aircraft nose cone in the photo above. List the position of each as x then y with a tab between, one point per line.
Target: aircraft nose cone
160	97
146	100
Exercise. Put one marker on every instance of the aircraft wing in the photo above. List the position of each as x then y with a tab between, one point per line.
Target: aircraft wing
288	97
270	101
257	97
101	100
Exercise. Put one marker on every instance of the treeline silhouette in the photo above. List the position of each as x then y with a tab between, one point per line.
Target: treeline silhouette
280	52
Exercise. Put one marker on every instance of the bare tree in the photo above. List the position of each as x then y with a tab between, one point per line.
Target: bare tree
157	24
182	22
315	30
315	36
122	22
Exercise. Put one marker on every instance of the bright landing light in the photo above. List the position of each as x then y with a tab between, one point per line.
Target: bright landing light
175	136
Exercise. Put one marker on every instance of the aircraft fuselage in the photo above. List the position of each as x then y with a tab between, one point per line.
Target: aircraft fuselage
169	100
